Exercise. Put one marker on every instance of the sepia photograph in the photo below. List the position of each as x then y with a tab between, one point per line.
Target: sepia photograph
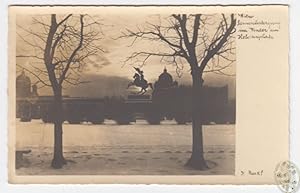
149	94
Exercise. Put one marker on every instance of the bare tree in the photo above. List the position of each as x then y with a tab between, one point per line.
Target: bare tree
60	48
205	42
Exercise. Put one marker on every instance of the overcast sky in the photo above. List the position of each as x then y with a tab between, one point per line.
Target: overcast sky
111	62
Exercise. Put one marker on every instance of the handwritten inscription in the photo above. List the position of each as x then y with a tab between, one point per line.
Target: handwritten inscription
251	27
251	173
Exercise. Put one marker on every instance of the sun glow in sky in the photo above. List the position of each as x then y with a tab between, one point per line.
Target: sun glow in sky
111	62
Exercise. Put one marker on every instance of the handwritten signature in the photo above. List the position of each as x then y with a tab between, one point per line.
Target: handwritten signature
251	173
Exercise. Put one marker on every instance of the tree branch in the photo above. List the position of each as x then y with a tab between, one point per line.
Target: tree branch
62	77
196	29
213	51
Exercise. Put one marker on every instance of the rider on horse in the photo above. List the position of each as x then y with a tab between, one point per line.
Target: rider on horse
140	81
141	75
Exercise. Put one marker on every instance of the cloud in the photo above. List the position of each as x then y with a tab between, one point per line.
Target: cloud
100	86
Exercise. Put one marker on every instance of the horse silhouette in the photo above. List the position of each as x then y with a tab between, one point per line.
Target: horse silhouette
139	81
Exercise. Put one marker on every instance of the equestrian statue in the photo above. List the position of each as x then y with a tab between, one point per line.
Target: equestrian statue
139	81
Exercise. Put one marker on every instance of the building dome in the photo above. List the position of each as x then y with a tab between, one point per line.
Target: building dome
165	79
23	85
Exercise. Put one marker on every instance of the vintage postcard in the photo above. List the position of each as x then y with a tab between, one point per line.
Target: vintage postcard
148	94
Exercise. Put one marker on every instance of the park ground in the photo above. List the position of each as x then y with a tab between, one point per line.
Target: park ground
136	149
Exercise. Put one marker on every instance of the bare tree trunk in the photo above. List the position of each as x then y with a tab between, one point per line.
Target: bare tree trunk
58	158
197	159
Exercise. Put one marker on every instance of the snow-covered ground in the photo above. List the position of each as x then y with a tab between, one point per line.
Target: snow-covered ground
139	148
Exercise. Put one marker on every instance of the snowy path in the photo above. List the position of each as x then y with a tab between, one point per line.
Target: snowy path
37	133
128	149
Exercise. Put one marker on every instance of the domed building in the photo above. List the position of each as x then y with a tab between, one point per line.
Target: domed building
23	85
34	92
165	80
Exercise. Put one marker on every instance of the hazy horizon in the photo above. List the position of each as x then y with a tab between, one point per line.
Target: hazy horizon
111	62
